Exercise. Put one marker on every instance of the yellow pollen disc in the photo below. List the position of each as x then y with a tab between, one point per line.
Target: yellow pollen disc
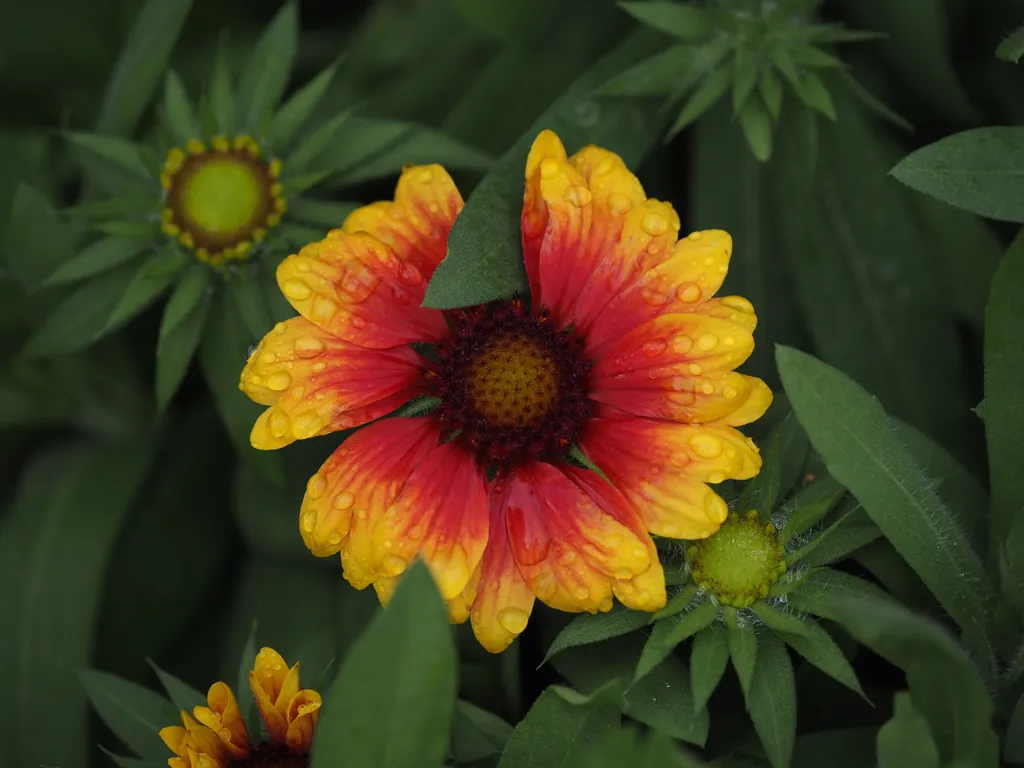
513	382
222	195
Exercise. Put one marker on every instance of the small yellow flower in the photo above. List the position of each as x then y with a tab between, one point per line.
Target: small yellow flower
221	199
215	736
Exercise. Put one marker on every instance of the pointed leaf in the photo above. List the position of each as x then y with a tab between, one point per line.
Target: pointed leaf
811	505
182	695
710	91
176	348
222	96
822	593
814	57
771	701
37	242
757	127
851	531
141	65
391	704
679	601
590	628
815	95
135	714
906	739
663	73
771	91
744	78
876	105
742	641
329	214
118	152
179	114
97	257
194	283
670	632
149	282
477	733
708	659
1012	47
266	75
662	700
243	691
319	142
686	22
294	113
249	301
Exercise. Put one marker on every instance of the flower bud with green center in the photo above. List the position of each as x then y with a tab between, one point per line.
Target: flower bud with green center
739	563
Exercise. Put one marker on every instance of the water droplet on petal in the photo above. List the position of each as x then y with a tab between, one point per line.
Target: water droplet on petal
401	297
679	458
309	522
682	344
307	424
706	446
654	224
652	297
619	204
410	275
729	391
581	593
278	381
307	347
278	423
696	235
344	500
324	309
738	303
548	169
296	289
690	293
317	486
394	565
707	342
716	476
695	368
358	322
514	620
654	347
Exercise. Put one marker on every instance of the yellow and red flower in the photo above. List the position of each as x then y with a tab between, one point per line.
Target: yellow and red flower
215	736
621	349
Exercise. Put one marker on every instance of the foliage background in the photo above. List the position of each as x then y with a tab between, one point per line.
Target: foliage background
128	537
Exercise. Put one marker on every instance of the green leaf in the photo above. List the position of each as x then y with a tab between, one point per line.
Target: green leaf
141	65
980	170
1012	47
944	684
266	75
329	214
662	700
590	628
757	127
191	287
783	457
244	292
711	90
1004	408
822	593
294	113
812	642
178	111
130	228
182	695
873	103
1013	746
243	691
151	279
815	95
851	431
742	641
37	241
771	700
679	601
667	72
810	506
391	704
56	540
815	58
135	714
420	405
670	632
222	355
905	739
310	151
266	516
222	96
476	733
177	346
686	22
708	659
120	153
81	317
851	531
556	729
771	91
97	257
746	69
484	260
130	762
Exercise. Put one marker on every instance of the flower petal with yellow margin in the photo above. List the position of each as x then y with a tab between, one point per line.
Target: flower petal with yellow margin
677	367
354	286
417	223
663	469
224	718
568	547
316	383
682	282
358	484
499	598
274	685
194	745
302	716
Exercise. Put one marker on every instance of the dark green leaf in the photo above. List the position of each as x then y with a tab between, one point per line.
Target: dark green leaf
391	704
679	601
191	287
329	214
130	762
980	170
245	293
418	406
130	228
812	642
178	111
837	34
783	457
944	685
906	740
246	662
266	516
822	593
771	91
309	152
222	96
266	75
873	103
851	431
37	241
149	282
294	113
663	700
757	127
815	58
670	71
771	700
555	729
120	153
182	695
815	95
742	641
592	628
141	65
135	714
708	659
746	69
177	345
1012	48
1013	746
1004	407
711	90
110	207
484	260
670	632
811	505
851	531
686	22
99	256
56	539
476	733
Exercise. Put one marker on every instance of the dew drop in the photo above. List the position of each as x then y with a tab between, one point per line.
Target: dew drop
679	458
334	538
278	423
738	303
690	293
309	522
307	424
654	347
581	593
358	322
707	342
706	446
654	298
604	168
317	486
344	500
514	620
716	476
729	391
394	565
695	368
278	381
548	169
296	289
578	196
682	344
567	558
654	224
410	275
324	309
620	204
307	347
696	235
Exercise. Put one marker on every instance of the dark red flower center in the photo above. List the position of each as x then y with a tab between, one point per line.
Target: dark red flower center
511	385
268	755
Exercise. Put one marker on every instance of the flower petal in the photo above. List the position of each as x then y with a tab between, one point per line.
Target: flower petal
679	367
417	223
316	383
683	282
274	685
224	718
354	286
663	468
358	483
500	600
302	715
440	514
569	547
